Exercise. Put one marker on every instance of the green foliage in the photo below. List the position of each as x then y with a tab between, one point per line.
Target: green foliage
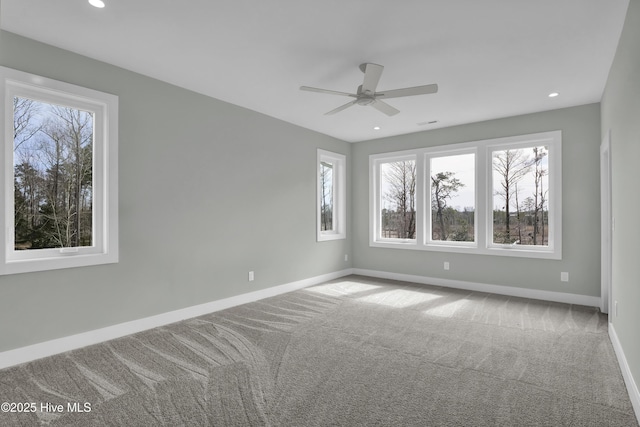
443	188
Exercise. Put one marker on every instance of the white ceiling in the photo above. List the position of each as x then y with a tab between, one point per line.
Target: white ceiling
490	58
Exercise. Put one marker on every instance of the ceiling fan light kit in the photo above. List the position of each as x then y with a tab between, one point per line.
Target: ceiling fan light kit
366	94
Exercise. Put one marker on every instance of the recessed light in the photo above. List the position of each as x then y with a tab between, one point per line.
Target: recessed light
553	94
96	3
376	128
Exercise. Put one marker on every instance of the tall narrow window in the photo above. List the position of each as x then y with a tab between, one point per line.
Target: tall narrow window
397	201
452	180
331	196
60	180
326	196
521	195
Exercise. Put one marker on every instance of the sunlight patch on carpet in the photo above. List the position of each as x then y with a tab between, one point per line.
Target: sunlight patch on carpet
400	298
342	288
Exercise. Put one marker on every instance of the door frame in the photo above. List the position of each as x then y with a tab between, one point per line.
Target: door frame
606	226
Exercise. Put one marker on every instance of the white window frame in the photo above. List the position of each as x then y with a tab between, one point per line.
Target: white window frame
105	174
484	197
427	205
553	140
375	185
339	178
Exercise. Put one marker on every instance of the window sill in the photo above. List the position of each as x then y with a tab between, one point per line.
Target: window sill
323	237
521	252
55	263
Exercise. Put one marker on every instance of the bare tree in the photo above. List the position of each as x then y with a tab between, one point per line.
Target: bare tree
24	123
53	171
518	214
512	166
401	179
326	201
540	194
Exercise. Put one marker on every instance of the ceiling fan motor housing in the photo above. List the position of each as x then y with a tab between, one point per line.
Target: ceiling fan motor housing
365	100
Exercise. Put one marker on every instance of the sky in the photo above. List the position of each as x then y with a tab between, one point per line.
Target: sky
463	167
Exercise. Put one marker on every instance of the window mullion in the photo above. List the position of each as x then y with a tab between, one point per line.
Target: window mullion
421	198
483	197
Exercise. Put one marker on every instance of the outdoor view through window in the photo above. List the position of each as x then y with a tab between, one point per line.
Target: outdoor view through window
326	199
398	201
453	198
53	175
521	196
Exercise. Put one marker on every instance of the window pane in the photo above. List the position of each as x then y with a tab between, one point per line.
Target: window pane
53	175
453	198
521	196
326	198
398	200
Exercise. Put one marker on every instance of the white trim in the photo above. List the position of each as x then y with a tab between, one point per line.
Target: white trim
606	231
64	344
339	181
485	287
632	387
104	106
427	193
72	342
484	197
554	141
375	193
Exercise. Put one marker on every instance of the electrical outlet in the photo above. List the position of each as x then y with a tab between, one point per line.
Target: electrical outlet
564	276
446	265
251	276
346	257
615	308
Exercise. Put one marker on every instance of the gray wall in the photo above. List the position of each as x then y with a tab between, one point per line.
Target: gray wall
581	210
621	115
208	191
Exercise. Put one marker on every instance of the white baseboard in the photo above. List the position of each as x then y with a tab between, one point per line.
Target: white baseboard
72	342
484	287
632	387
61	345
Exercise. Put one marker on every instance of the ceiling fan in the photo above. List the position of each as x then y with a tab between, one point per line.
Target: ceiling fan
367	95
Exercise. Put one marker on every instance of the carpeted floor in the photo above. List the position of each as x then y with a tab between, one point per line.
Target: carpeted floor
352	352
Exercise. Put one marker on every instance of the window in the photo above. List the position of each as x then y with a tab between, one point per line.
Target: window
60	180
499	197
396	213
520	179
331	196
452	181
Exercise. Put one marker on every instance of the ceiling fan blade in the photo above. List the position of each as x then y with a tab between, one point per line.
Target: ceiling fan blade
330	92
372	73
385	108
340	108
408	91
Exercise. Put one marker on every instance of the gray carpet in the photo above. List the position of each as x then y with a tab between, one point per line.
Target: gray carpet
352	352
